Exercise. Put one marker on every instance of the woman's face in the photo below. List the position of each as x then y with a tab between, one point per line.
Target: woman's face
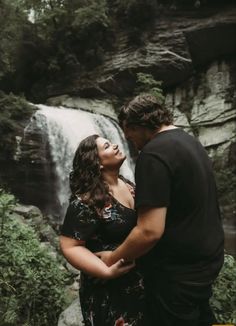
109	154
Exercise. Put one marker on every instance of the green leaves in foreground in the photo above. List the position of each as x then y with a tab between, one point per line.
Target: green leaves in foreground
31	282
223	301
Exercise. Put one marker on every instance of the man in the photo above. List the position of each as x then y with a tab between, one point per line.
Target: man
179	232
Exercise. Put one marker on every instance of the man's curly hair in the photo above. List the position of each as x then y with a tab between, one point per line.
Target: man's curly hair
145	110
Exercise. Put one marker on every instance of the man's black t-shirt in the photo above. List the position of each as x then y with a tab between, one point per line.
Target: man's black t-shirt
173	170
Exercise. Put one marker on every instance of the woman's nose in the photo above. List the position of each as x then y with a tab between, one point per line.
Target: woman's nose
115	146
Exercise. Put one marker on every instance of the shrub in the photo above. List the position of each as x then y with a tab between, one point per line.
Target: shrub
223	300
31	281
6	202
14	111
136	12
90	30
147	84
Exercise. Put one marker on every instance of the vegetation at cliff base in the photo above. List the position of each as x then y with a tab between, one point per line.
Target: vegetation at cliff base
32	283
14	111
223	300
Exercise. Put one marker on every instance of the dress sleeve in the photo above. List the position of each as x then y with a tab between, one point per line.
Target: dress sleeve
80	221
153	182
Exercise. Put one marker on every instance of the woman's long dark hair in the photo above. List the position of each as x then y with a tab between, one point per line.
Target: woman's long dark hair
85	179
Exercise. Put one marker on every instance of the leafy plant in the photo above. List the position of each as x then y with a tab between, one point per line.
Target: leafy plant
136	12
7	201
31	281
223	300
11	37
14	111
147	84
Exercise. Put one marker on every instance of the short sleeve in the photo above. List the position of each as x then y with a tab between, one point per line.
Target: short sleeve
80	221
153	182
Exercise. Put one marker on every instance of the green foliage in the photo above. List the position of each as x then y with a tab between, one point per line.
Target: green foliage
14	107
11	32
7	201
13	110
44	40
147	84
89	27
90	17
225	175
31	281
223	300
136	12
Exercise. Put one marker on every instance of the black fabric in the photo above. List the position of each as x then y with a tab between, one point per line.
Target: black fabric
178	304
80	222
104	302
174	171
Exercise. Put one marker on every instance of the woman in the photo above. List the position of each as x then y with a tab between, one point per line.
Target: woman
99	217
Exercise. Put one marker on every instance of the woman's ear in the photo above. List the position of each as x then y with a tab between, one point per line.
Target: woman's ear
101	167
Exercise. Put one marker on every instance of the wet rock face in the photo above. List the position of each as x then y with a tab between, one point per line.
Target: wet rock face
205	106
179	43
29	172
37	168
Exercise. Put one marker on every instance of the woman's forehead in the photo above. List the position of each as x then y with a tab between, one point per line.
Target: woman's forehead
101	141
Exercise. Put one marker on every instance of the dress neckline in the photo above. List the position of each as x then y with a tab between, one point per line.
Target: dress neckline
117	201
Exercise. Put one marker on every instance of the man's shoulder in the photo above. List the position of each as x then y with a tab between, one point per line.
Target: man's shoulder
169	139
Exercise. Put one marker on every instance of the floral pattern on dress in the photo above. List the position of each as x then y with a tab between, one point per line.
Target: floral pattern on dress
107	302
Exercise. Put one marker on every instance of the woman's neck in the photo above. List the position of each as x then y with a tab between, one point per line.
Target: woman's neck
111	178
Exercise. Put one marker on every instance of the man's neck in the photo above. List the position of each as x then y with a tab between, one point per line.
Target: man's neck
163	128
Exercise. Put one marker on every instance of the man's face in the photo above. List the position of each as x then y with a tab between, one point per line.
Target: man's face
135	134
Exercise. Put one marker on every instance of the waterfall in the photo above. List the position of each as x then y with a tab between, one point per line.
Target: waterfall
65	129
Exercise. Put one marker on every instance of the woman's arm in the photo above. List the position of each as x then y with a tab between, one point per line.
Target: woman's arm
83	259
144	236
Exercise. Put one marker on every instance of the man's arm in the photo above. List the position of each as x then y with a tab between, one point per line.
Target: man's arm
149	230
83	259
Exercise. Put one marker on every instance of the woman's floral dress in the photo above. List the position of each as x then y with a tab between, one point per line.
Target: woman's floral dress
112	302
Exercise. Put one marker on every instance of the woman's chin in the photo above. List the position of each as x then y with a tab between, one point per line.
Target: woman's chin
122	159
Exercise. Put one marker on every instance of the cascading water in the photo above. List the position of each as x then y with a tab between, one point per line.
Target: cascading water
65	129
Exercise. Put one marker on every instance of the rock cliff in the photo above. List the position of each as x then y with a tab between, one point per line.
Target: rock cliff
177	46
193	51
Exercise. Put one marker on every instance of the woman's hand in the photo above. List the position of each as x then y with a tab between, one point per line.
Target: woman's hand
118	269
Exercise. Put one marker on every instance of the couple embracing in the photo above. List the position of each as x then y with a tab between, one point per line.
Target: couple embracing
148	252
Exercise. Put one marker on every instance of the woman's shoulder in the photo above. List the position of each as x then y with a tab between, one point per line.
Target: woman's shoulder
77	204
79	210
